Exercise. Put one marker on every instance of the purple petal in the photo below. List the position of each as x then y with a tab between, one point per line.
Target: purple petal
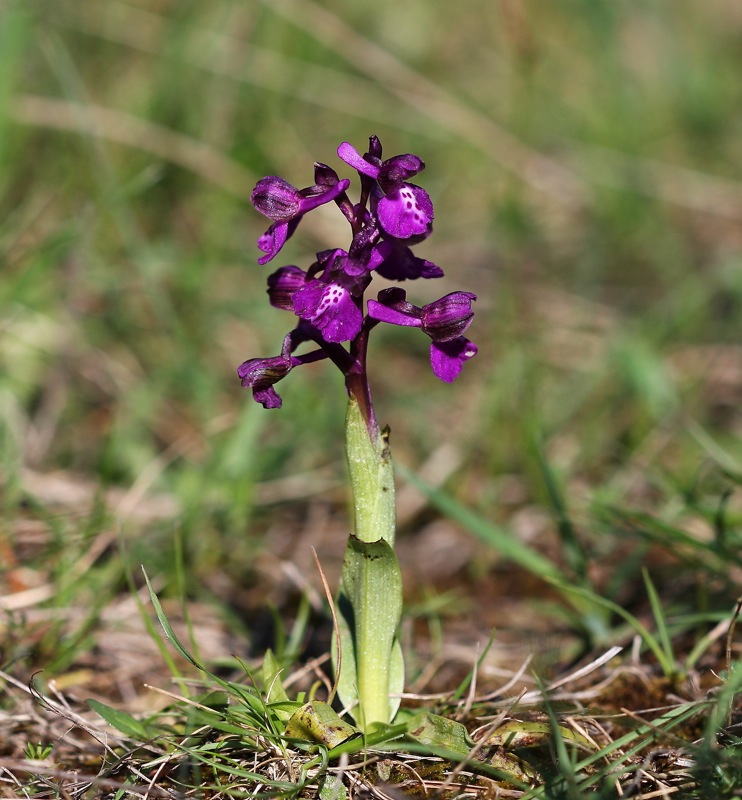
446	319
326	258
447	358
396	297
330	308
318	195
400	263
268	398
375	257
353	158
400	168
406	211
353	267
282	285
272	241
276	198
262	372
392	315
374	147
325	175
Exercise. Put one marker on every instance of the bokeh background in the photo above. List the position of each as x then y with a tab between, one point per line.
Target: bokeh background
585	162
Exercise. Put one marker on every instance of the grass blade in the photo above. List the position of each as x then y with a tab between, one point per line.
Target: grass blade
169	632
659	618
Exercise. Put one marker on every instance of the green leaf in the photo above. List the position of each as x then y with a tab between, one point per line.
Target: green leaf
515	770
382	737
275	693
438	731
574	553
120	720
317	722
396	678
516	734
370	607
272	679
217	700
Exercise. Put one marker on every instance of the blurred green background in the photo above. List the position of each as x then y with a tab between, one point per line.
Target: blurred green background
584	158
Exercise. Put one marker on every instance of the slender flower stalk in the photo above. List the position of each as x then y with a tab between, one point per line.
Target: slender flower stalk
392	216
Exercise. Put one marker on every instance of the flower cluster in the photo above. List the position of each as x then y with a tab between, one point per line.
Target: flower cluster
391	217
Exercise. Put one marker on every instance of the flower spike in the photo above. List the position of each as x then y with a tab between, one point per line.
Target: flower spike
391	217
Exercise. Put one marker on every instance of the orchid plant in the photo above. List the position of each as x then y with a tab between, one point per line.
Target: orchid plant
391	216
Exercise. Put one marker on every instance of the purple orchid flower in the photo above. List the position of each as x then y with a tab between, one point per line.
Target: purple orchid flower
332	302
278	200
405	210
444	320
331	308
260	374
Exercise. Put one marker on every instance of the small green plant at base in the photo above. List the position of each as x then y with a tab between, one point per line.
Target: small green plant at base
37	751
